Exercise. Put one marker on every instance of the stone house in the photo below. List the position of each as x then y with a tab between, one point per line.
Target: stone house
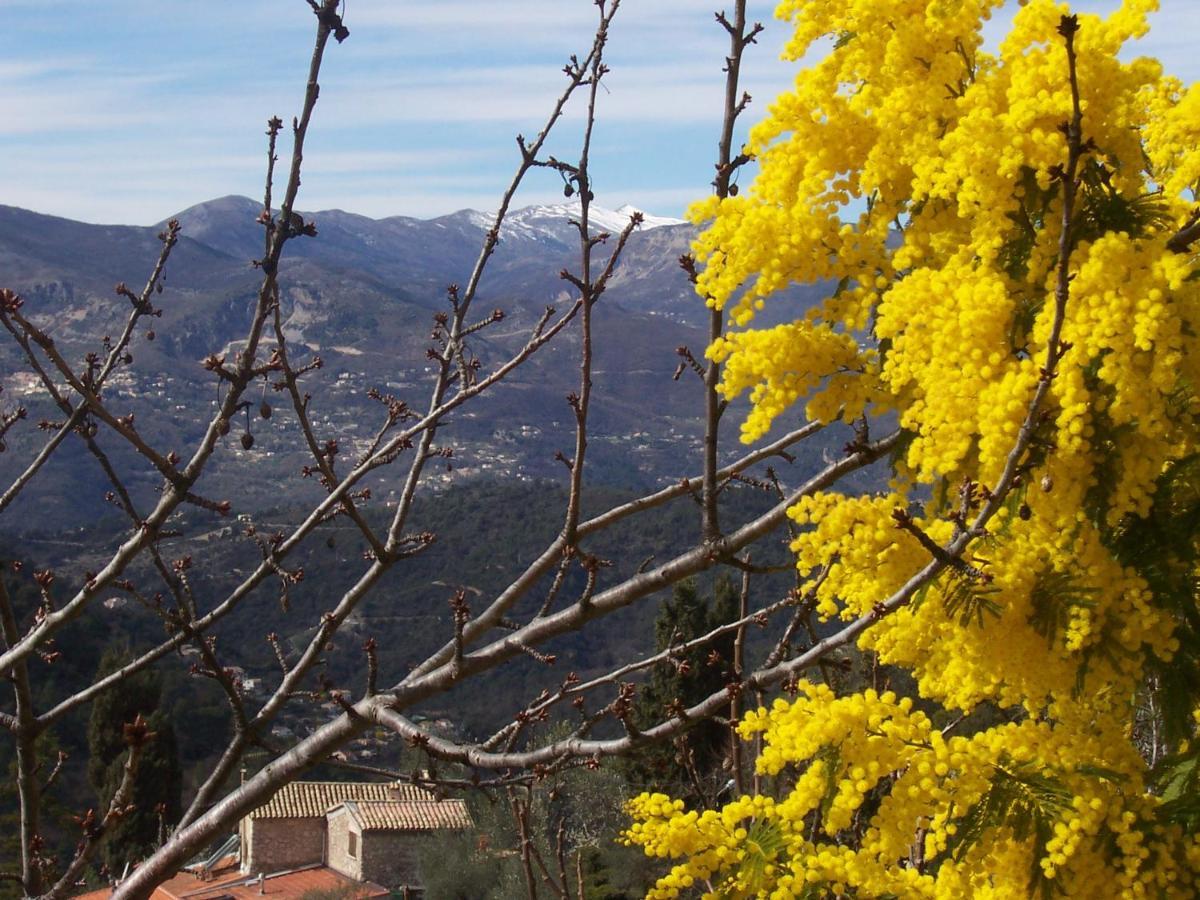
364	831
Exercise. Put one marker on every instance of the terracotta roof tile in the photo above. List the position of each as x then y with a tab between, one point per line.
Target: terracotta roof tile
399	815
312	799
284	885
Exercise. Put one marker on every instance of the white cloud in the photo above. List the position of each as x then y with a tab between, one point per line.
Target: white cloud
418	109
537	17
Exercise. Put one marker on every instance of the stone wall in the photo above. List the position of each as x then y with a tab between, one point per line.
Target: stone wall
274	845
390	859
337	844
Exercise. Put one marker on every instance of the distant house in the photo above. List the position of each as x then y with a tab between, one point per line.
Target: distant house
363	831
356	840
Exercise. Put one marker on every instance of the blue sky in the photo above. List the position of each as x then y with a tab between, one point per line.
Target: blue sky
126	111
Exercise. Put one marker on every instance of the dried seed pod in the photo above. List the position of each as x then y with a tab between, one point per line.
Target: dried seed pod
247	441
264	410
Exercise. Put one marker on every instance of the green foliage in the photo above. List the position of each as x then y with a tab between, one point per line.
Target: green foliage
1023	799
614	872
1178	778
482	864
1164	548
349	892
52	812
138	694
455	867
685	679
1055	596
586	806
1029	219
763	846
968	599
830	757
1104	210
156	800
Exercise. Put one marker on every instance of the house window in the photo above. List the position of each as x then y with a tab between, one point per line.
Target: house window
352	846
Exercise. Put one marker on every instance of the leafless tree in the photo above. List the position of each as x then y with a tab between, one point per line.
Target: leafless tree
483	638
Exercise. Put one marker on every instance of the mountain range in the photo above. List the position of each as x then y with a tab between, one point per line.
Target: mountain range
361	294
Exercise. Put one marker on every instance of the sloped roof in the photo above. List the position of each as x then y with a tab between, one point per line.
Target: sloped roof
312	799
408	815
283	885
230	883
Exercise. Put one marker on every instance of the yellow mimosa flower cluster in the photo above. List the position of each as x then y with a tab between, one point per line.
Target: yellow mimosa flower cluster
923	176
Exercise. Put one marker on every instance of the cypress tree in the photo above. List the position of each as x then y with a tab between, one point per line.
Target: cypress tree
687	678
157	791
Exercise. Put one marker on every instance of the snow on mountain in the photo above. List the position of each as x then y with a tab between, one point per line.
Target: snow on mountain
648	221
553	222
230	224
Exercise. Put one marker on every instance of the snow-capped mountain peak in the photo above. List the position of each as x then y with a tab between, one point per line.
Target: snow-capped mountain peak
648	220
552	222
